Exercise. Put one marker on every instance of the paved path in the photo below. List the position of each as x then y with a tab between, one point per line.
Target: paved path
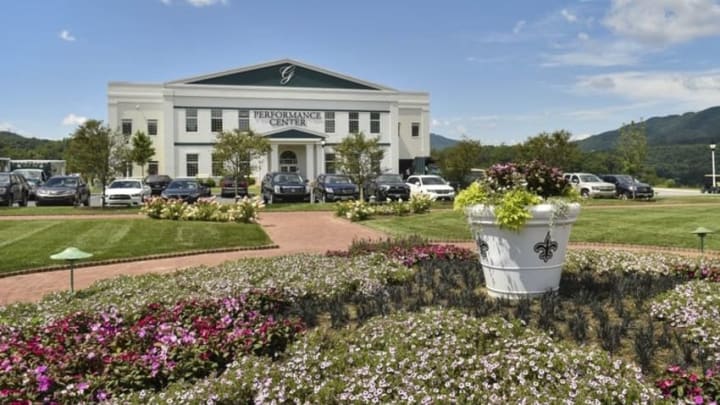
293	232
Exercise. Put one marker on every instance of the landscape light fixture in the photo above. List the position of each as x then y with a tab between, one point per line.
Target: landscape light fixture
701	232
71	255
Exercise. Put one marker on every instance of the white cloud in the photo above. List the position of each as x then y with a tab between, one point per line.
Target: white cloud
692	90
583	36
166	2
662	22
597	53
519	26
205	3
74	120
65	35
570	17
6	126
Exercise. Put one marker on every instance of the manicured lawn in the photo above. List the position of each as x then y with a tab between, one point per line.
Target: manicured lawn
64	210
29	244
639	225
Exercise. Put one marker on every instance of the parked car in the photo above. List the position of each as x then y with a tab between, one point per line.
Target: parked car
228	189
387	186
70	190
188	190
335	187
13	188
708	186
433	186
126	192
590	185
157	183
629	187
34	177
282	186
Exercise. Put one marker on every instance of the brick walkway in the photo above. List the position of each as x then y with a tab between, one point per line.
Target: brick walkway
293	232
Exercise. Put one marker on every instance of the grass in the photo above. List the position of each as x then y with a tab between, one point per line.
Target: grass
29	244
66	210
669	226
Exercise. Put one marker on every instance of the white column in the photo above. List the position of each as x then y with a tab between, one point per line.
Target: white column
274	158
394	139
321	160
310	161
165	152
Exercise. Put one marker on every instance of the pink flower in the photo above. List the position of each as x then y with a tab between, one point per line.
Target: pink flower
698	399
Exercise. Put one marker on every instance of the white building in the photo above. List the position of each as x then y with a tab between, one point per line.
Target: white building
303	110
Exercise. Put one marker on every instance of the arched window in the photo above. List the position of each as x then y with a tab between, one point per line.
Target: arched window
288	161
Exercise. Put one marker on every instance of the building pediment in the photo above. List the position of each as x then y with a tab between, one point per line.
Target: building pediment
294	133
282	73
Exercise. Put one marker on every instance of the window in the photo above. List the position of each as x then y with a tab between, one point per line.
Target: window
354	122
217	165
152	127
244	120
374	122
288	162
329	163
191	120
127	127
216	120
152	167
192	164
330	122
415	129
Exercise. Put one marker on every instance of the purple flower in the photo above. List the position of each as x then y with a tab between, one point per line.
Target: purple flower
44	383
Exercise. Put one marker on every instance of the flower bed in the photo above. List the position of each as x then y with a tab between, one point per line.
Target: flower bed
94	356
245	210
436	356
406	322
361	210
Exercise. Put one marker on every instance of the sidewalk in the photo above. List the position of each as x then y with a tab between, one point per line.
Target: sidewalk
293	232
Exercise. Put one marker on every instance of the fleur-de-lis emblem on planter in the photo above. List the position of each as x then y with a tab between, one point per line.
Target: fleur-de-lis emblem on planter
483	247
546	248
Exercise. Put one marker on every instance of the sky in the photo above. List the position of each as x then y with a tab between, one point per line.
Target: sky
496	71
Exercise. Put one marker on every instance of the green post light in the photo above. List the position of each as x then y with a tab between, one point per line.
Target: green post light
71	255
701	232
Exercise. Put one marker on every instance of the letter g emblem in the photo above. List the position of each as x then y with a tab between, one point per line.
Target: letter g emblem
286	73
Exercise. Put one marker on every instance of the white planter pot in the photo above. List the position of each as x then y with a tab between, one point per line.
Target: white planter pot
525	263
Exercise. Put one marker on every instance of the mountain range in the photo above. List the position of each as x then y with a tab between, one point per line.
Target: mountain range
692	128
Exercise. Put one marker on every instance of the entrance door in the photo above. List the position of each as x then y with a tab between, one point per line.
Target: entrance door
288	162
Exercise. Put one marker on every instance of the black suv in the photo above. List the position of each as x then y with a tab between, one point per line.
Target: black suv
387	186
157	183
282	186
14	188
627	186
335	187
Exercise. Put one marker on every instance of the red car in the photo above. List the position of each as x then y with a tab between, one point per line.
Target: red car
227	187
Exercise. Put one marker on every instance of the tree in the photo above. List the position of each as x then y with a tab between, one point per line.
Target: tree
236	150
142	150
553	149
457	161
632	148
359	158
96	152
